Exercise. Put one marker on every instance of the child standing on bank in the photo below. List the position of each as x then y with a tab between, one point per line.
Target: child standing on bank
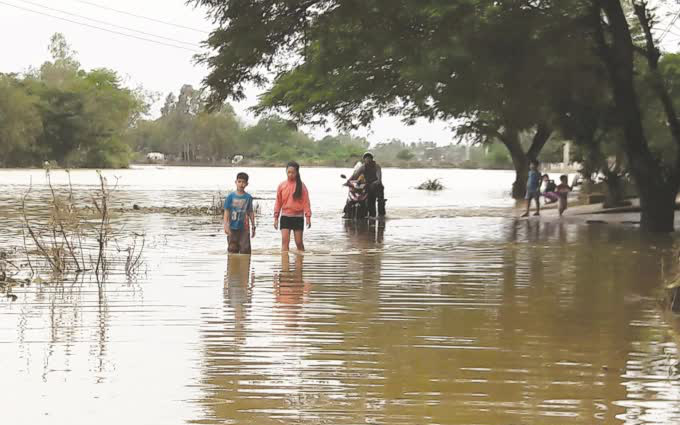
292	207
533	188
563	190
239	218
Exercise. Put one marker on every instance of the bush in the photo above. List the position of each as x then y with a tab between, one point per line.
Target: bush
405	155
431	184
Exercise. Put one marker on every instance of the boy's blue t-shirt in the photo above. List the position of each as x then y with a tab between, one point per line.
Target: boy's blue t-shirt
238	206
533	181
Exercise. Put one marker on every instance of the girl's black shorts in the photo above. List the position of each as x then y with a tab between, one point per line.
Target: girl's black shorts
292	223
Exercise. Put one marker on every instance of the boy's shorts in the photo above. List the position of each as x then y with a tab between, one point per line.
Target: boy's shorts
239	241
532	195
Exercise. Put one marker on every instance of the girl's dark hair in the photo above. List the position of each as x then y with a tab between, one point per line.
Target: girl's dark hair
298	180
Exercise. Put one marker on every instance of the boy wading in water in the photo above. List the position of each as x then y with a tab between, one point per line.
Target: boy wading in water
533	188
293	207
239	218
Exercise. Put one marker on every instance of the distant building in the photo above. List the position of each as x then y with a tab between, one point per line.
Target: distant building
155	157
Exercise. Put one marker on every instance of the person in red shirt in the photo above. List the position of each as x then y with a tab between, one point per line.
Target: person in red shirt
292	207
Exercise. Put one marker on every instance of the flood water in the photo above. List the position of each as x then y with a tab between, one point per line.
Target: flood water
451	311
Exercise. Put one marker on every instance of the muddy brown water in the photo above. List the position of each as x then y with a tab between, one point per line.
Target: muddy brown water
449	312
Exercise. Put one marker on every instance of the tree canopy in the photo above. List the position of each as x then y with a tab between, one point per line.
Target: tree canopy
494	69
63	113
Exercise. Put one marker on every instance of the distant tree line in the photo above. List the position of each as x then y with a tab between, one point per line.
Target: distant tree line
187	132
62	113
479	156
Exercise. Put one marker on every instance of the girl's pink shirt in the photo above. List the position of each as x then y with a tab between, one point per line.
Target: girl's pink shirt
288	205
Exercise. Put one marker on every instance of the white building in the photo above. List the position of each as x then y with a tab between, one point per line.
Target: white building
154	157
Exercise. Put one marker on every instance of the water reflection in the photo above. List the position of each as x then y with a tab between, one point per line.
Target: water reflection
439	318
238	285
290	289
554	324
365	234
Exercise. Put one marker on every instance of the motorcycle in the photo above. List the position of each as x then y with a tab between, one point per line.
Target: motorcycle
356	206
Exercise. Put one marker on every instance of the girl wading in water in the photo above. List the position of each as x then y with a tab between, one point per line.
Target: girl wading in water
292	207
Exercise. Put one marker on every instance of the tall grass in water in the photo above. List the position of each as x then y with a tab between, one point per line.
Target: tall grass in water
431	184
73	236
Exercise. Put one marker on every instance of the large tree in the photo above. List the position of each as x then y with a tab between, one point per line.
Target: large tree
20	124
488	67
60	112
656	171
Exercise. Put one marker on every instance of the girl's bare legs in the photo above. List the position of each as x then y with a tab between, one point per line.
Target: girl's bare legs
285	239
298	240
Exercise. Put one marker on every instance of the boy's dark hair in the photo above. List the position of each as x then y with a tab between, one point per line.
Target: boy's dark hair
242	176
534	162
564	178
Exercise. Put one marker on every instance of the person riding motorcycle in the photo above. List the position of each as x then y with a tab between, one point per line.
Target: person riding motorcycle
356	205
376	191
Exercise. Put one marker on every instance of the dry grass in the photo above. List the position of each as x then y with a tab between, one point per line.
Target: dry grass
75	238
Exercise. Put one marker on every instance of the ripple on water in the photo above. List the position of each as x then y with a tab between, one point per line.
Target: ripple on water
455	315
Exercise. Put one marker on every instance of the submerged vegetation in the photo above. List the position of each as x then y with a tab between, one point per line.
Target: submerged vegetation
70	234
431	184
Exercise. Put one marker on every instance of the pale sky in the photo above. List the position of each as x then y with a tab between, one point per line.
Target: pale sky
156	67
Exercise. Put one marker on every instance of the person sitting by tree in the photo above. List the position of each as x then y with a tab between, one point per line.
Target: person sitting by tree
376	191
549	189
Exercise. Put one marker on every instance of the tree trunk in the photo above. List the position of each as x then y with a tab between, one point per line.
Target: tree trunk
657	191
520	160
675	300
615	192
519	186
657	206
541	137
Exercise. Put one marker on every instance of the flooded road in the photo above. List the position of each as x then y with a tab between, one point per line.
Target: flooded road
449	312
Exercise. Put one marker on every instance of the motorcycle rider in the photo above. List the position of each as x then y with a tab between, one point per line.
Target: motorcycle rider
376	191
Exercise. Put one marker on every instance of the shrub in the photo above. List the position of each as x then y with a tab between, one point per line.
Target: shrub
431	184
